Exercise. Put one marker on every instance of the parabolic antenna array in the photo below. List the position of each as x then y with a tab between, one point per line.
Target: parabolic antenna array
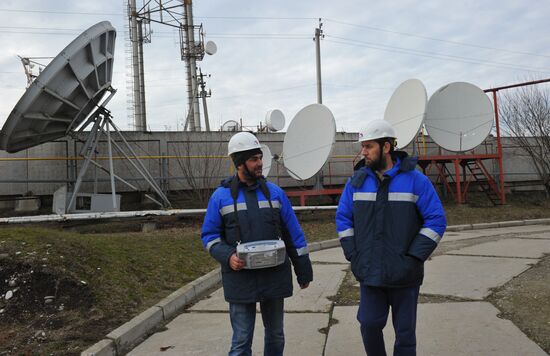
308	141
406	110
459	116
65	93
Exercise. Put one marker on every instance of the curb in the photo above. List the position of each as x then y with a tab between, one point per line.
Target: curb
121	340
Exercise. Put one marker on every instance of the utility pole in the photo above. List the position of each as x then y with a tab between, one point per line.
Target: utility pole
204	94
318	36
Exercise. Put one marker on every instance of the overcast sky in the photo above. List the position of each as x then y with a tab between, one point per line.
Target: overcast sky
266	55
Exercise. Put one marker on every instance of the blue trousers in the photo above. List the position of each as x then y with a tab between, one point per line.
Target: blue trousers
243	317
373	315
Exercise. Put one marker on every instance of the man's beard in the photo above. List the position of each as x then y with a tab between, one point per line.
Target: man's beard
251	175
379	164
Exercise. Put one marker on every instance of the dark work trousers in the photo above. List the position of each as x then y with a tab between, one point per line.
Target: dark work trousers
373	315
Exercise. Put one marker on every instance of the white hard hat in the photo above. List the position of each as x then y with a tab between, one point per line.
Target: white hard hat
375	130
242	141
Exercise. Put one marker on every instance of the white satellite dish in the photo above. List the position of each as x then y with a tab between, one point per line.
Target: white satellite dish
267	160
210	48
459	116
64	93
230	125
308	141
275	120
406	110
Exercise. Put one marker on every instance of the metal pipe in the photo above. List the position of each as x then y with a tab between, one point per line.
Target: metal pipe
111	168
499	151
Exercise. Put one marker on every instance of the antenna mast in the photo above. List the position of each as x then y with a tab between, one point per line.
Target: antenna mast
181	17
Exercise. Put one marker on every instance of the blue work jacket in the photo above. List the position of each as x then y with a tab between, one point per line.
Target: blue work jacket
220	236
389	227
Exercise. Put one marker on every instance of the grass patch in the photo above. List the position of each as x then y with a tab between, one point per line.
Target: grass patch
108	277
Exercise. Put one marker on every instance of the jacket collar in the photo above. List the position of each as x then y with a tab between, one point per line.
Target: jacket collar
402	163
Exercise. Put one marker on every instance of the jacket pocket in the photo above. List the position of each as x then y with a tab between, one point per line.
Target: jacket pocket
359	266
402	270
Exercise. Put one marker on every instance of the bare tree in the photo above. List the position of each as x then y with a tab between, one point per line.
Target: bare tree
525	113
200	161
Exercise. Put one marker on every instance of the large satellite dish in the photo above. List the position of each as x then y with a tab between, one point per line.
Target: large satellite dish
65	93
308	141
406	110
459	116
69	94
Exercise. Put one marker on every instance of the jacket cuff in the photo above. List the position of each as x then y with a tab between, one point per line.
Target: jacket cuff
421	247
348	245
222	252
303	269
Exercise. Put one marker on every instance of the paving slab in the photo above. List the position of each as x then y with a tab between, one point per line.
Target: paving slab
331	255
326	280
542	235
470	277
469	328
461	235
513	230
513	247
210	334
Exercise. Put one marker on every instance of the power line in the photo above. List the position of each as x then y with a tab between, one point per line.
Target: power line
63	12
428	54
372	28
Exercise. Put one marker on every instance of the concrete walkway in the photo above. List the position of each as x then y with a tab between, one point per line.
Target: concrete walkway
482	259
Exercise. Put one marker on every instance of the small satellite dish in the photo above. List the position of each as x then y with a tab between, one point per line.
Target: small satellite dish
210	48
275	120
406	110
230	125
308	141
267	160
459	116
64	93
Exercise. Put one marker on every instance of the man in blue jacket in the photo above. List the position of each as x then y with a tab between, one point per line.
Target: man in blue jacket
243	209
389	220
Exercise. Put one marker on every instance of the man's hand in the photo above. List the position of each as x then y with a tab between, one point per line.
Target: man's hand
235	262
304	286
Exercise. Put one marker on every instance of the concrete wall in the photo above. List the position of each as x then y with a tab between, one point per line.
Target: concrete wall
180	161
